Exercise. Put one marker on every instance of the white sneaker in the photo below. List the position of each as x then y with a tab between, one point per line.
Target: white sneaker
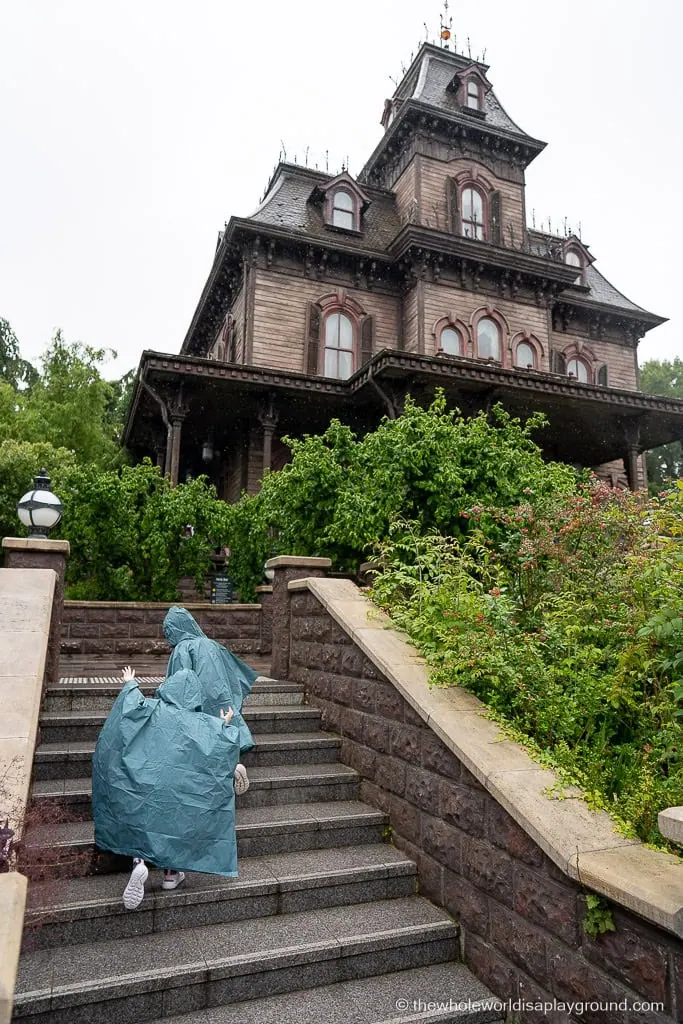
173	880
241	780
134	892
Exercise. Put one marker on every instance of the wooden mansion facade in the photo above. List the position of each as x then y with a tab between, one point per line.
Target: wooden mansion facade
339	296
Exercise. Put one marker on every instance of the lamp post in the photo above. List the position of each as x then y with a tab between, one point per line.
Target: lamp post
40	509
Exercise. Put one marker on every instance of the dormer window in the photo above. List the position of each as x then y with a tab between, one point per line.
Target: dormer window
473	95
343	203
472	216
343	210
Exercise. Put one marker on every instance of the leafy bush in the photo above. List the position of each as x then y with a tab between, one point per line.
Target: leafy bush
339	495
126	530
564	616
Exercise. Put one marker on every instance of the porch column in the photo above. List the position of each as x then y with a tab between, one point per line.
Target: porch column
176	430
177	411
268	418
632	435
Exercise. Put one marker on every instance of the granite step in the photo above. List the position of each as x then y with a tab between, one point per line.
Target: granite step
71	726
141	978
73	760
442	994
89	909
260	831
274	784
98	695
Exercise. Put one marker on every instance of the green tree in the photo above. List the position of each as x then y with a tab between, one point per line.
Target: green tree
14	370
663	378
70	403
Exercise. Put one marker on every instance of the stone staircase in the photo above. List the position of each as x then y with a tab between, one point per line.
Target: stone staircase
324	923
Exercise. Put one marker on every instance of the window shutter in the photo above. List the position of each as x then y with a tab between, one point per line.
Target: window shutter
496	230
313	325
453	204
602	375
558	364
367	339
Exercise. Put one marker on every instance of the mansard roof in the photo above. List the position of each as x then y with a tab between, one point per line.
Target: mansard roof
290	203
437	70
427	86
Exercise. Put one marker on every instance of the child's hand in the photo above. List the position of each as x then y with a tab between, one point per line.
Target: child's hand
227	716
128	673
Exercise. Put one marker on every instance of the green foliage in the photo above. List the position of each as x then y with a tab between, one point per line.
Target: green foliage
14	370
69	401
19	463
563	615
663	378
126	530
598	917
340	496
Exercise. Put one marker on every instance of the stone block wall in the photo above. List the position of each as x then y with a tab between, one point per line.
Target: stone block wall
121	630
521	916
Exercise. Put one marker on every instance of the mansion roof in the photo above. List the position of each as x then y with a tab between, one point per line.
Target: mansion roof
430	81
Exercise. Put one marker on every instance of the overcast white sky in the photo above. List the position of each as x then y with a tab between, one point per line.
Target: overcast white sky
130	132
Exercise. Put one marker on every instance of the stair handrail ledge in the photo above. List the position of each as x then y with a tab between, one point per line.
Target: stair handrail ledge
26	601
582	842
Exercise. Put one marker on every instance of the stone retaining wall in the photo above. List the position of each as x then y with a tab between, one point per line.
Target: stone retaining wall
521	915
109	629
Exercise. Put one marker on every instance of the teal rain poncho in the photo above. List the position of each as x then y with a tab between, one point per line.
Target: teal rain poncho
224	679
162	780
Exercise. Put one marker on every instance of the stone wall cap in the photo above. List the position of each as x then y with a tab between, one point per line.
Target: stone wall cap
54	547
13	888
265	589
583	843
670	824
205	606
298	562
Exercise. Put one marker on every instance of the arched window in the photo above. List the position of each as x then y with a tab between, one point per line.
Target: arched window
488	339
572	259
525	356
338	346
577	368
473	99
343	210
472	219
450	341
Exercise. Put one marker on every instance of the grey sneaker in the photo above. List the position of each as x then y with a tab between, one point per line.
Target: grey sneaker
241	780
134	892
173	880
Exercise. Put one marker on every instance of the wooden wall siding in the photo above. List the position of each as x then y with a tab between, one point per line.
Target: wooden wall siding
444	299
234	472
237	311
621	360
280	308
406	195
433	198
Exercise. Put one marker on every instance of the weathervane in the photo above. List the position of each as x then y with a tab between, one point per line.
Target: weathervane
446	26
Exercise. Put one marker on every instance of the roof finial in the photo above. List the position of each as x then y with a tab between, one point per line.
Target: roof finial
446	26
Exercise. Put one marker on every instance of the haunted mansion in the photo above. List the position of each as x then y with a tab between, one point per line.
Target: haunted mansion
340	295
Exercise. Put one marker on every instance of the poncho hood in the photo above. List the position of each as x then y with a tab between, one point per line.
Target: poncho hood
179	625
182	690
